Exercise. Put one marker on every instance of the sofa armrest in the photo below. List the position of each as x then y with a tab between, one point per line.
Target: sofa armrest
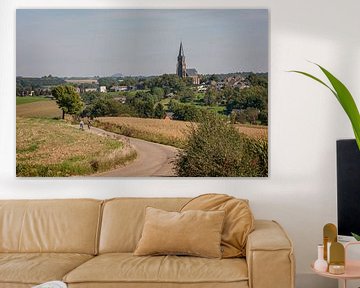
269	255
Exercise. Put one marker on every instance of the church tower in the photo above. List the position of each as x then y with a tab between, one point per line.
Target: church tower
181	66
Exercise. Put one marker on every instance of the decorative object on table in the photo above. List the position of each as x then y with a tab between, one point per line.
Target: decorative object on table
329	236
337	258
344	97
341	267
320	264
52	284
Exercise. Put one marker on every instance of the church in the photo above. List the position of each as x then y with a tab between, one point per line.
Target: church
181	70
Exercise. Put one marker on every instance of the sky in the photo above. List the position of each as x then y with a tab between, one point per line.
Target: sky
99	42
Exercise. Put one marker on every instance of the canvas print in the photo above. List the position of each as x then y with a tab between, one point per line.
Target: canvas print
142	92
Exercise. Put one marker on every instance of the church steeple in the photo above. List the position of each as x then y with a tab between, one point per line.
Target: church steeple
181	50
181	65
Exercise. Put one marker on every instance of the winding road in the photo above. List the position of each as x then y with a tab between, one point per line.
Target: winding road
153	159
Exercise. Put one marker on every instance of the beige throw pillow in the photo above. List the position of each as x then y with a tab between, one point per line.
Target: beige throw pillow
196	233
239	220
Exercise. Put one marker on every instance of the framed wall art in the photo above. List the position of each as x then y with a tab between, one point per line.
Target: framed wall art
142	92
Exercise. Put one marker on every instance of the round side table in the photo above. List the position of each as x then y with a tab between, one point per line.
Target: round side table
352	269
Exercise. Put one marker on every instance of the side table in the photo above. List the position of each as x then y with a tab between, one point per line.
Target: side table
352	268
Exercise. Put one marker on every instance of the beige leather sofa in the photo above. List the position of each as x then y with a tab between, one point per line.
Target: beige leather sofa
89	243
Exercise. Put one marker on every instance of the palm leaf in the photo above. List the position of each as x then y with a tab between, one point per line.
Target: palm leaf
357	237
344	97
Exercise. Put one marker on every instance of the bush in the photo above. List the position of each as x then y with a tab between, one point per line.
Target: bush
255	160
216	149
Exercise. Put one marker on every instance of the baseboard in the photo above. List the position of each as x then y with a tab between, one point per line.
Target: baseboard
310	280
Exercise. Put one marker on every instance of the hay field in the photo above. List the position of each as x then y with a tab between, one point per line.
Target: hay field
167	128
176	129
253	131
46	147
46	109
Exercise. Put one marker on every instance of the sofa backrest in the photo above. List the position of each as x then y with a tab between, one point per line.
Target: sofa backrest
123	220
67	226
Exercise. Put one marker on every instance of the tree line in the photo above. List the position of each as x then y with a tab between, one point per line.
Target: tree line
243	105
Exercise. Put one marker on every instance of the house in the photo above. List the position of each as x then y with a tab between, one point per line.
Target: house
90	89
201	88
169	116
82	81
102	89
119	88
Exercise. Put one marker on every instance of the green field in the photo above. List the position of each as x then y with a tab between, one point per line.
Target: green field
30	99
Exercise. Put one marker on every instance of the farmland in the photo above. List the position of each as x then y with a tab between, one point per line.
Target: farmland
169	132
47	109
29	99
47	147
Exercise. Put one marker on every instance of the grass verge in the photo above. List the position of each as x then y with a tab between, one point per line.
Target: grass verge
51	148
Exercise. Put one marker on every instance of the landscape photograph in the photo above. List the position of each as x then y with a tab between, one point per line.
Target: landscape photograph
142	92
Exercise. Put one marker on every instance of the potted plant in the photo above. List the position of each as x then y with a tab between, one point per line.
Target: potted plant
346	100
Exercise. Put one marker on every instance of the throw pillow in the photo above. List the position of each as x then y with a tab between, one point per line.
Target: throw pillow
238	224
196	233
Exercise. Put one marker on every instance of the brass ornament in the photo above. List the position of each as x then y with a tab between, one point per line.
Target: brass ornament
330	236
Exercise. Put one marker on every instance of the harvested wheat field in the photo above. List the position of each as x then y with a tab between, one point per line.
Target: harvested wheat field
46	147
170	132
46	109
253	131
168	128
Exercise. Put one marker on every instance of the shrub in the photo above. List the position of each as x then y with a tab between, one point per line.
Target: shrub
216	149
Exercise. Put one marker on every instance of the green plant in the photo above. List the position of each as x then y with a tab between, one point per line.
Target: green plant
216	149
344	97
356	236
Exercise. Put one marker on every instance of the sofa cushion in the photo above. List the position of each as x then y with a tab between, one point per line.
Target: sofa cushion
123	220
63	226
126	268
239	220
193	232
36	268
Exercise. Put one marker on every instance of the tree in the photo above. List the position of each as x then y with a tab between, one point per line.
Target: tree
159	111
158	92
186	94
106	106
263	117
108	82
257	80
211	97
68	100
255	97
214	77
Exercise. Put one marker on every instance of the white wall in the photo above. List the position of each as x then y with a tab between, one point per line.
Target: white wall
305	120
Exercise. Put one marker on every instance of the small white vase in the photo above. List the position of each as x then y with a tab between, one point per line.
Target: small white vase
320	264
